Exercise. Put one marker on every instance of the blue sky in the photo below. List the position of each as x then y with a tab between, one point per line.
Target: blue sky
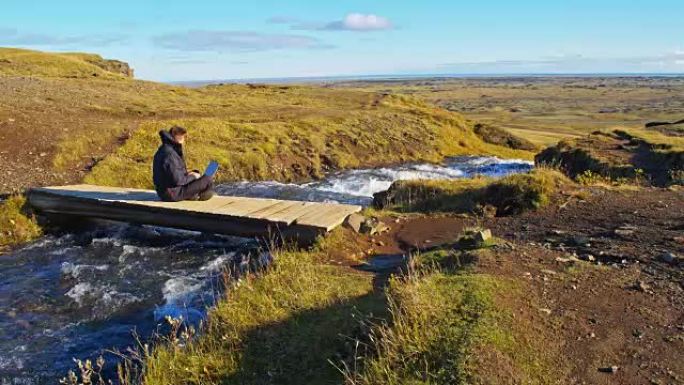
202	40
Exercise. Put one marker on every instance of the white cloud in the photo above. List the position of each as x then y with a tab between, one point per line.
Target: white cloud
360	22
357	22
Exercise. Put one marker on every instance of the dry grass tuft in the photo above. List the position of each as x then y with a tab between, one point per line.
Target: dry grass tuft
17	224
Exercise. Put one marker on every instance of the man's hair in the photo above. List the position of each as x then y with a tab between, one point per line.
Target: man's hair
177	131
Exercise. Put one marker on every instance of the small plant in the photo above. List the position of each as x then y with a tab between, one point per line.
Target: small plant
589	177
87	374
17	224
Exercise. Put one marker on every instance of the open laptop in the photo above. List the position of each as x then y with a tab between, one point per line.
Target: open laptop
212	168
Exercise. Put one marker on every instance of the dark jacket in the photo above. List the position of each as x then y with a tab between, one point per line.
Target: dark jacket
168	170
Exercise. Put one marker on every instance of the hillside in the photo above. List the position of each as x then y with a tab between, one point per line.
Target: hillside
22	62
58	124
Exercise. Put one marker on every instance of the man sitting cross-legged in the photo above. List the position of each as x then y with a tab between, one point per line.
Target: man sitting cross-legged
171	178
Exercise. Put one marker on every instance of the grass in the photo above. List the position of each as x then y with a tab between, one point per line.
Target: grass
285	327
282	132
306	322
22	62
307	133
508	195
443	326
17	226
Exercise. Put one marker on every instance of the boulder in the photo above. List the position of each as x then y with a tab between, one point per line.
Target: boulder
360	224
482	236
354	222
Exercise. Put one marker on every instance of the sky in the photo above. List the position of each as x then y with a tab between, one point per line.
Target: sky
224	39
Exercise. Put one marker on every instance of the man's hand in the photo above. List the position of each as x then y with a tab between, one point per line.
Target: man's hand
194	174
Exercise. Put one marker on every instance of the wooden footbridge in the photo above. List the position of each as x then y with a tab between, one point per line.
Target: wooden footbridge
240	216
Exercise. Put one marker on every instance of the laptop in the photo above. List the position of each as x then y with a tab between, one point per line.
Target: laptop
212	168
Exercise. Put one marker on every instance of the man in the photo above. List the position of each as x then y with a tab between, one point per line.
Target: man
171	178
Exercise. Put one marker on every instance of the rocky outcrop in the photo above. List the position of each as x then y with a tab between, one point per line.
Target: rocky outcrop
115	66
501	137
618	155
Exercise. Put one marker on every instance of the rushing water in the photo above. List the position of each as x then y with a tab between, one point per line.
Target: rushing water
358	186
75	294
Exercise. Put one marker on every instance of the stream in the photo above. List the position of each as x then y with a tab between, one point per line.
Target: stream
77	295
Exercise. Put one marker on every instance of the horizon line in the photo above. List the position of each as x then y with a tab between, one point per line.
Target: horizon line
334	78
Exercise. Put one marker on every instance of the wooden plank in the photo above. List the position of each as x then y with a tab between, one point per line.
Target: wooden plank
247	206
270	212
240	216
291	214
328	219
320	217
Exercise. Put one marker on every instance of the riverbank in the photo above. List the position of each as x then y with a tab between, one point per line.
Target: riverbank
562	295
87	288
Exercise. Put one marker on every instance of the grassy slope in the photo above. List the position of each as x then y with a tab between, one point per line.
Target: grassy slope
284	327
22	62
285	133
454	327
295	133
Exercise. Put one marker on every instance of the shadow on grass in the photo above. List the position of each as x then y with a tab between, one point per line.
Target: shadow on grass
307	347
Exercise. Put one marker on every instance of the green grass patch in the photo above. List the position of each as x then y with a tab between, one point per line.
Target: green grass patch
286	327
442	328
17	224
508	195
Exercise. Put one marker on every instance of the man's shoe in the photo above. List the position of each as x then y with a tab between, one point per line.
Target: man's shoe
205	196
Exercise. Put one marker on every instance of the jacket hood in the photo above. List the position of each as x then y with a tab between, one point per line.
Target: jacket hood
166	138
